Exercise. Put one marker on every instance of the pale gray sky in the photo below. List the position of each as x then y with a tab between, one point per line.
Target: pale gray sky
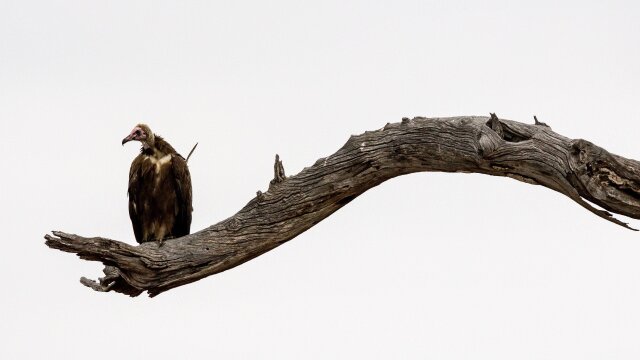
531	275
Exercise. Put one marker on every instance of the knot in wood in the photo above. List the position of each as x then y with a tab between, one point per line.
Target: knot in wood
233	224
154	264
580	151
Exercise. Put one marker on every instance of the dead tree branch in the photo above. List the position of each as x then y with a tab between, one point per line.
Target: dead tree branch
530	153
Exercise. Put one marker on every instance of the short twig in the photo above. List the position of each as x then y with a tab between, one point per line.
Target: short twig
191	152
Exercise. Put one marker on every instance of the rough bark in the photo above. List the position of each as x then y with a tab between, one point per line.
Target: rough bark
530	153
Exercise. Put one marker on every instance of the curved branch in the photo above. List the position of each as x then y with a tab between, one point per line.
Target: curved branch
530	153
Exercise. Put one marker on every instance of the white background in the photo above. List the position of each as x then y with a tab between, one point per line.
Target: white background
437	266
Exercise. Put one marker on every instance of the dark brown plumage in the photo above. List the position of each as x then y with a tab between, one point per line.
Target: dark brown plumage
159	189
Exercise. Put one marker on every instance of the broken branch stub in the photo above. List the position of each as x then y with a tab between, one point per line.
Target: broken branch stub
278	171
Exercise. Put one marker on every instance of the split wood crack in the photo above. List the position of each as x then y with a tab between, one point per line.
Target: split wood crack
534	154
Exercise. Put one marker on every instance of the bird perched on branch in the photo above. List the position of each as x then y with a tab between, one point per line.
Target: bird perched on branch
159	189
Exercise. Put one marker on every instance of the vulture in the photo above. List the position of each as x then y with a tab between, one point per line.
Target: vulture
159	189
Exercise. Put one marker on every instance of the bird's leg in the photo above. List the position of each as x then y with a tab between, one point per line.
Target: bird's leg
161	240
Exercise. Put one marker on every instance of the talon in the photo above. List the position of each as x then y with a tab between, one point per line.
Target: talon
161	241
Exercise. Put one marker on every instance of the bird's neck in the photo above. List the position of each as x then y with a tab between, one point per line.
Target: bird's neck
158	149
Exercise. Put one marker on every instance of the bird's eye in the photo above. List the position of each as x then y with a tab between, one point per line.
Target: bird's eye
138	132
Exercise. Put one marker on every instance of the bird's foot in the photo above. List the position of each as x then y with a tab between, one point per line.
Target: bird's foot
162	240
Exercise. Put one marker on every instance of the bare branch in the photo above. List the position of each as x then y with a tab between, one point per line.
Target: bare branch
533	154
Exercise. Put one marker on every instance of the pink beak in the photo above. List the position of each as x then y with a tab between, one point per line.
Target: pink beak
135	135
129	137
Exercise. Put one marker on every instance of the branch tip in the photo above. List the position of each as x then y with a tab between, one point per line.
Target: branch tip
95	285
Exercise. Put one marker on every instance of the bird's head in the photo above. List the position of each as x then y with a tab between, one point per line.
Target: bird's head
142	133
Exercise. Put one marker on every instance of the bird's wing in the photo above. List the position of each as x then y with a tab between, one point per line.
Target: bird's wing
182	181
135	198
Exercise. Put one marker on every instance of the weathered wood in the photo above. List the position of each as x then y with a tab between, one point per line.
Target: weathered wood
530	153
